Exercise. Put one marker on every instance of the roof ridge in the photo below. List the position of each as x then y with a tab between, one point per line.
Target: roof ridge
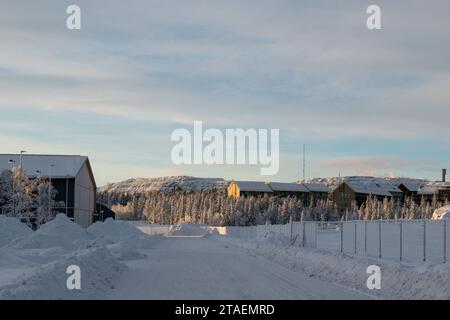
42	154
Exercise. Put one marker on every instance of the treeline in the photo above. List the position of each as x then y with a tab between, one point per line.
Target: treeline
374	209
216	208
29	200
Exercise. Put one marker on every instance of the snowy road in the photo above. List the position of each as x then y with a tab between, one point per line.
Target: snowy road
203	268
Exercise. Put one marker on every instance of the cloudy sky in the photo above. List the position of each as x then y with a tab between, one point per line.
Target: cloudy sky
363	102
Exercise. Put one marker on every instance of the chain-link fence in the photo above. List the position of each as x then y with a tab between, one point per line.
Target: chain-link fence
403	240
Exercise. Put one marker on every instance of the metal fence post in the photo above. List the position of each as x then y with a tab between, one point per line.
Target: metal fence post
303	234
445	241
365	237
355	236
315	235
292	231
379	240
342	236
424	240
401	240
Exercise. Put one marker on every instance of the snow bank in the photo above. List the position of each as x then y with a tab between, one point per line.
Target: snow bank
150	229
274	238
60	232
398	281
12	229
98	267
189	230
33	263
126	250
122	238
115	230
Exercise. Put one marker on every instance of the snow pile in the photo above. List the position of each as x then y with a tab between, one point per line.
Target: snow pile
12	229
127	250
33	263
60	232
122	238
150	228
115	230
398	281
98	268
189	230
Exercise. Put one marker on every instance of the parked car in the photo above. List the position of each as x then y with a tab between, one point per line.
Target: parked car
441	213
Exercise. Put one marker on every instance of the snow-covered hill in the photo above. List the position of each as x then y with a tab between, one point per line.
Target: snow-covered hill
334	181
164	184
187	183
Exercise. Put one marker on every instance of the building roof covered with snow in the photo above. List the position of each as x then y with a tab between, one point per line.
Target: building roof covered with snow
427	190
253	186
411	185
316	187
369	188
289	187
391	188
62	166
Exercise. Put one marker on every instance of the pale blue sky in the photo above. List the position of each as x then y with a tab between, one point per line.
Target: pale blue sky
364	102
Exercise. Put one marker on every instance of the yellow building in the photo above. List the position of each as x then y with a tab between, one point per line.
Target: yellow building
237	189
304	191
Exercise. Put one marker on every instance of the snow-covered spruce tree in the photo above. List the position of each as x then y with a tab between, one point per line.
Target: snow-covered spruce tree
43	195
7	193
19	200
5	189
31	201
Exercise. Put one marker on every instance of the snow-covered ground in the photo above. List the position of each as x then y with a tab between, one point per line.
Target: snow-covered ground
129	261
204	268
33	264
411	241
398	280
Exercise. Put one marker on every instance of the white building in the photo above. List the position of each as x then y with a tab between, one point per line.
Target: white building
71	176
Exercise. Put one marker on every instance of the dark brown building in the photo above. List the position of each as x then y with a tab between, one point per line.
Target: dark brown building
349	192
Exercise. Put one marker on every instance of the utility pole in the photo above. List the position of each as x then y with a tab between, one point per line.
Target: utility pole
304	161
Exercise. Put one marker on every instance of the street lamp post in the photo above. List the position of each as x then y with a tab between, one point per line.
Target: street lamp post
13	162
50	166
20	158
39	173
67	195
